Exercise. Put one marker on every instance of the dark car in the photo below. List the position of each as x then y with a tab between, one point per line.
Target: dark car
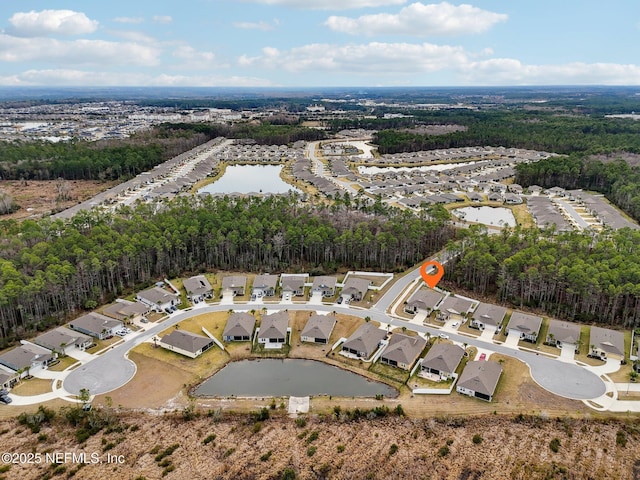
6	399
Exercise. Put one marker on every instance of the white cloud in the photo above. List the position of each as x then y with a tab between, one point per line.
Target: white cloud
263	26
132	36
328	4
193	59
162	19
61	77
508	71
48	22
375	57
128	20
76	52
420	20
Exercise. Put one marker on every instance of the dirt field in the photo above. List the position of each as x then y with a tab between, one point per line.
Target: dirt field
37	197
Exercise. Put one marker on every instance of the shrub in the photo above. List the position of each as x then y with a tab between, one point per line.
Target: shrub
621	439
168	470
288	474
229	452
443	451
554	445
314	436
477	438
301	422
393	449
257	427
311	451
210	438
340	448
265	456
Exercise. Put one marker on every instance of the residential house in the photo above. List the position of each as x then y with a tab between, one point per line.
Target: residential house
355	289
423	301
488	316
318	329
524	326
479	379
564	334
186	343
96	325
7	379
364	341
264	286
442	359
125	310
158	298
198	288
273	330
239	327
326	286
455	308
27	358
475	197
403	350
512	199
605	343
62	340
292	285
494	197
234	284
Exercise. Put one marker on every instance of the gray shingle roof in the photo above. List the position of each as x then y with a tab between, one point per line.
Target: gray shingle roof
481	377
525	323
489	314
187	341
443	357
611	341
565	332
274	325
319	326
239	325
198	285
365	339
404	348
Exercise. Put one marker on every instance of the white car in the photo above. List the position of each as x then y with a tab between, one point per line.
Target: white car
443	335
455	324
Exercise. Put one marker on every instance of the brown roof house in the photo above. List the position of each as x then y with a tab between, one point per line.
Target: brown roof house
158	298
27	358
364	342
324	285
423	301
292	285
488	316
479	379
455	308
442	359
235	284
186	343
524	326
318	329
198	288
605	343
62	340
95	325
354	289
403	351
124	310
274	329
239	327
264	286
563	334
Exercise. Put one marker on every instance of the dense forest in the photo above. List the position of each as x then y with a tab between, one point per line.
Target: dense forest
619	181
563	134
577	276
122	159
50	270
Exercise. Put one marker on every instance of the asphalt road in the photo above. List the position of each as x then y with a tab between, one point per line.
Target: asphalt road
113	369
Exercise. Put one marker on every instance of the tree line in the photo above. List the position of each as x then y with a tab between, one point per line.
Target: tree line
574	275
50	270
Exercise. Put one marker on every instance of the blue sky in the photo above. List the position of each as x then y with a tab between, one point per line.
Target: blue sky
319	43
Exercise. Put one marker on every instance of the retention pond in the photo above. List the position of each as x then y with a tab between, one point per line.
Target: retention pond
289	378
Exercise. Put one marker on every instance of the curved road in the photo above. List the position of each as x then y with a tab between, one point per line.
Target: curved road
113	369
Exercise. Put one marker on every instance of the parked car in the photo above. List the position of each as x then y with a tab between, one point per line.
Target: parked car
6	399
483	356
443	335
144	320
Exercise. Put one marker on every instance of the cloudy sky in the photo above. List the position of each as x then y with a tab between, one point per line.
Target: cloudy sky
319	42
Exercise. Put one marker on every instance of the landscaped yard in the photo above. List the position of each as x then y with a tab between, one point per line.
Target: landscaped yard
33	386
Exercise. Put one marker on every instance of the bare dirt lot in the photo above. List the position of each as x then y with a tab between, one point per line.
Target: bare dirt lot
38	197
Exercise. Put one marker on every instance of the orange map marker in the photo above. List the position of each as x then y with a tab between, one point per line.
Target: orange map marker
431	278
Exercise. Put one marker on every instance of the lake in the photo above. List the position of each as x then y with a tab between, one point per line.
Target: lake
289	377
249	179
497	216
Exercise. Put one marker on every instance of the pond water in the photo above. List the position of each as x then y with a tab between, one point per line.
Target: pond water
289	377
249	179
497	216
